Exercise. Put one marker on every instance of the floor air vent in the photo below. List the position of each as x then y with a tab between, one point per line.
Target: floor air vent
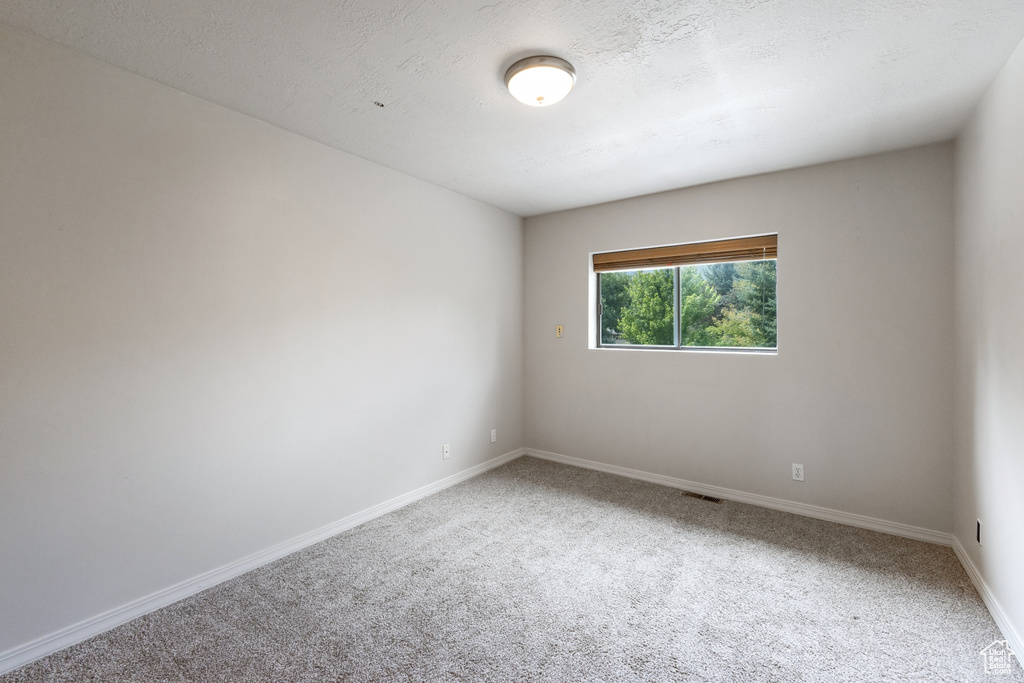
710	499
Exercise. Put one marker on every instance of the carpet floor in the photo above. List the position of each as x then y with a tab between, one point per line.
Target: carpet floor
541	572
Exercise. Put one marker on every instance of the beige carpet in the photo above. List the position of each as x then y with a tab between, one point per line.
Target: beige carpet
542	572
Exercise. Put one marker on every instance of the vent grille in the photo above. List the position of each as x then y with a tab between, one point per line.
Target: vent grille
710	499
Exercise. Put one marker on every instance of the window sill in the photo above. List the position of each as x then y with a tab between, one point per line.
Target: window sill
690	349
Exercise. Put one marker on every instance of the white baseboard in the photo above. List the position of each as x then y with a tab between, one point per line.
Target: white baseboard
29	652
828	514
83	630
1013	638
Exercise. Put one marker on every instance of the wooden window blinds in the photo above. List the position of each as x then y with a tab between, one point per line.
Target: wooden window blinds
719	251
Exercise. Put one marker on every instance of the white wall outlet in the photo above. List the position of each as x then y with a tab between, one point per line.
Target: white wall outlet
447	450
558	331
494	435
798	472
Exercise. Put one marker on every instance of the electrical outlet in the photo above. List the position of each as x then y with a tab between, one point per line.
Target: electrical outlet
798	472
558	331
447	450
494	435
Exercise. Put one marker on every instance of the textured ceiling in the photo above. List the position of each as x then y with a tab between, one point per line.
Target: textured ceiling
669	94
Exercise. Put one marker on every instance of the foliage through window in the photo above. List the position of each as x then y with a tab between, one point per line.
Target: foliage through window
728	304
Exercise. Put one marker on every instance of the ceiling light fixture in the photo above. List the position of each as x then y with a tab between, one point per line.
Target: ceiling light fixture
540	81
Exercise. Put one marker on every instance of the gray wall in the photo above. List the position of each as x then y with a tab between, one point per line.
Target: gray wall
860	392
217	335
989	334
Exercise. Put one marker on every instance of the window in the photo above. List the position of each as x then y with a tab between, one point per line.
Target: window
718	294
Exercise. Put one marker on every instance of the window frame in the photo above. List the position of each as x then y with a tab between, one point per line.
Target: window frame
676	332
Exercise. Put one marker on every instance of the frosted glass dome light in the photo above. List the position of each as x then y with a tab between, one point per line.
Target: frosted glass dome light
540	81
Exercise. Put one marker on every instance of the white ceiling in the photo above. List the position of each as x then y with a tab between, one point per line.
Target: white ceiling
669	93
